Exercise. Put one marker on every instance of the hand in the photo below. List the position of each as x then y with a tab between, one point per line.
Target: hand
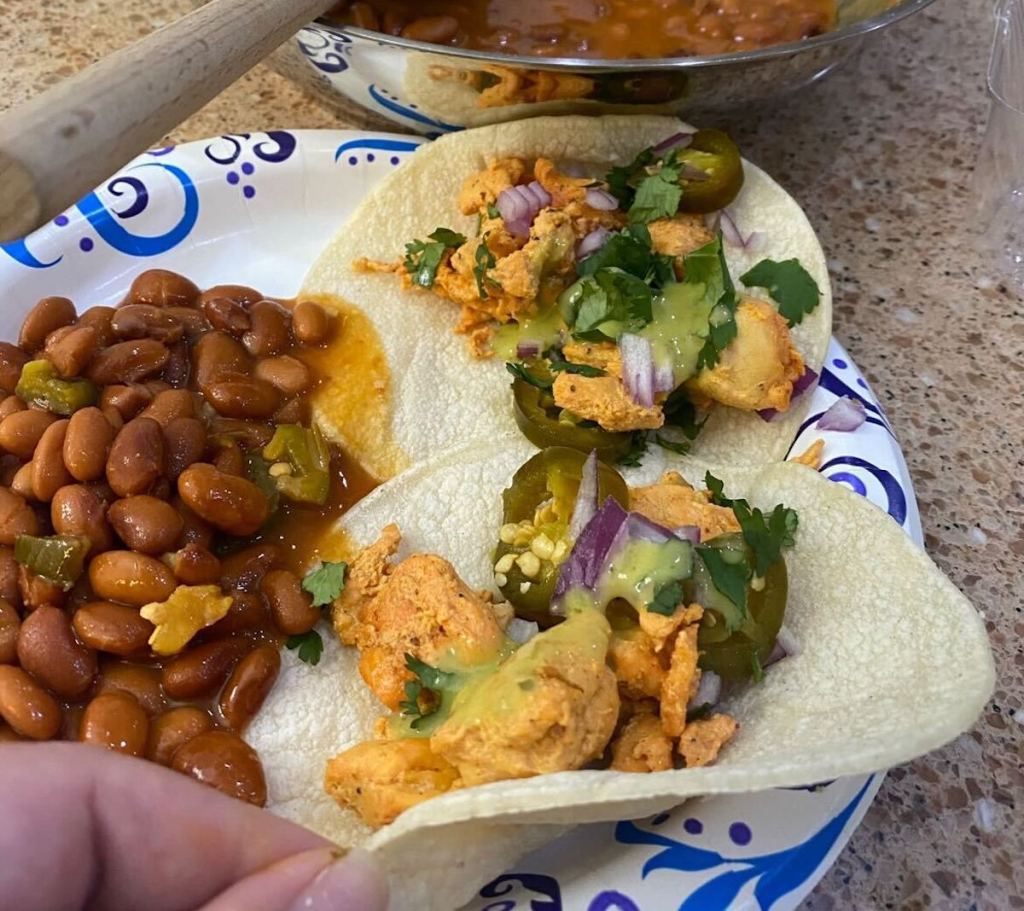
81	828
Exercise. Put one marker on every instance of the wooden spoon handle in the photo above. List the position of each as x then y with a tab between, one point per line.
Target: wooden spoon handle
58	146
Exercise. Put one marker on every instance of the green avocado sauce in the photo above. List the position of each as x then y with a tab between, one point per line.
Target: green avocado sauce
643	568
544	328
679	328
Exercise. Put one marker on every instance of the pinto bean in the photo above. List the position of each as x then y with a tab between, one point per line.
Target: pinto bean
243	397
49	314
240	294
9	405
9	590
178	368
10	626
123	575
249	685
128	399
77	510
231	504
26	706
202	669
227	315
248	612
285	373
162	288
49	473
20	431
38	592
137	457
192	319
270	332
116	721
226	762
146	524
141	680
70	351
291	607
98	318
113	628
216	355
12	359
229	459
310	323
16	517
194	565
87	443
242	570
185	444
294	411
146	321
21	483
432	29
128	362
49	651
196	531
364	16
250	434
173	729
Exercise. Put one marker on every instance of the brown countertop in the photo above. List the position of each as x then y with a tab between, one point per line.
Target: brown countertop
881	156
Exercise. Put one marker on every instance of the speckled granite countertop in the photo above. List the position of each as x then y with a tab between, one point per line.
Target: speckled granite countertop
881	156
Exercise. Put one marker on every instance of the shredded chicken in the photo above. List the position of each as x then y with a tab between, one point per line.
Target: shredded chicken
679	235
758	368
380	780
673	503
811	456
633	657
681	681
604	399
642	746
702	740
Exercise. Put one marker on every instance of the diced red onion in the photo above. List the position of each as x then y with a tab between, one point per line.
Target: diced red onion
676	141
664	377
709	690
519	206
845	415
521	631
689	533
585	562
713	219
734	236
600	199
593	242
586	497
785	646
528	347
800	386
689	172
637	368
639	526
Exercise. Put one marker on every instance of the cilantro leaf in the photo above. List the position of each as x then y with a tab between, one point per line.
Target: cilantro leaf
658	194
325	582
757	672
630	250
606	304
680	412
519	371
485	260
637	451
682	447
729	578
622	178
559	366
492	211
789	284
716	488
422	259
310	646
667	598
707	266
766	536
423	695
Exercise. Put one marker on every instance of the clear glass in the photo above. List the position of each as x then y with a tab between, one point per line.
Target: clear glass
999	176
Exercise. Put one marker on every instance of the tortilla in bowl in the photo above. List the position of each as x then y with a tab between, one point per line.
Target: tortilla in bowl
445	394
893	662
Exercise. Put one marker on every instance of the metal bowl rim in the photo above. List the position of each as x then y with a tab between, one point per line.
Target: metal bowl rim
855	29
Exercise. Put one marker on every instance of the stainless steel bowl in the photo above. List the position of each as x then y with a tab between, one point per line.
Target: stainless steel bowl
426	88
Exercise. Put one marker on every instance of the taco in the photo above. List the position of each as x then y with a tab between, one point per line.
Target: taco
449	737
643	283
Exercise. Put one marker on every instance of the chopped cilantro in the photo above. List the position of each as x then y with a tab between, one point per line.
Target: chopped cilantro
630	250
325	582
422	259
707	266
310	646
716	488
485	260
682	447
492	211
604	305
637	450
658	194
680	412
789	284
621	179
423	695
729	578
766	536
756	671
667	598
560	366
257	470
518	370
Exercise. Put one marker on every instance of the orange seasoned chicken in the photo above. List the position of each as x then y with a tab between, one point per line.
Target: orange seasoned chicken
702	740
679	235
642	746
419	607
381	779
673	503
481	189
758	368
604	399
550	707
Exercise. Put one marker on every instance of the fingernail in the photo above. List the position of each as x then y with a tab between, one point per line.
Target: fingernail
353	883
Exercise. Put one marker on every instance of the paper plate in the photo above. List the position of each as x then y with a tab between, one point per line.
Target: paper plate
256	208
